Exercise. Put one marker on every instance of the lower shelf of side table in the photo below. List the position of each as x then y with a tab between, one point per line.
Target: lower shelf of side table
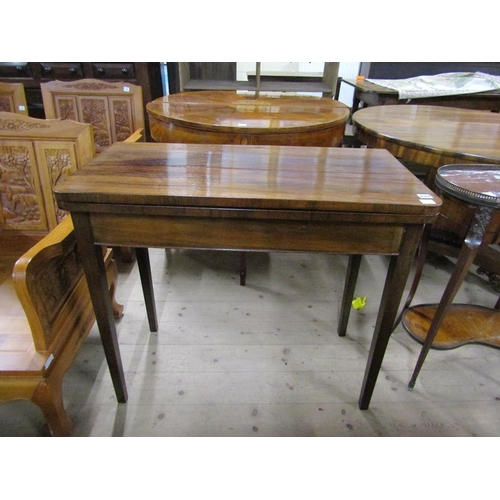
463	324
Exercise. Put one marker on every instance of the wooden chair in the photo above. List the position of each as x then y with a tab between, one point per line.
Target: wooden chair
115	110
13	98
37	350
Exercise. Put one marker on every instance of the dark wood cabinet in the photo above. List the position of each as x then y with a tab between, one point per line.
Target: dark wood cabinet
31	74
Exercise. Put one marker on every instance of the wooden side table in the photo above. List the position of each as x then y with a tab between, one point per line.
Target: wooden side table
446	325
222	197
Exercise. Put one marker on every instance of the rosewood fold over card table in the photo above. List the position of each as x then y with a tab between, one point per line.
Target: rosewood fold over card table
268	198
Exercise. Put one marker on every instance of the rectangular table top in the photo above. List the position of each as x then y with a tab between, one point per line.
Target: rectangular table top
248	177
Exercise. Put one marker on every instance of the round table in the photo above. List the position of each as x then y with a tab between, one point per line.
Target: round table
228	117
434	136
431	135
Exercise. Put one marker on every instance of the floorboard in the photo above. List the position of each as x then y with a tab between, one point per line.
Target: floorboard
265	359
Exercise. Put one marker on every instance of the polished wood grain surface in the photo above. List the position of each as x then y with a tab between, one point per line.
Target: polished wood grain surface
249	197
431	135
435	136
226	117
463	324
251	177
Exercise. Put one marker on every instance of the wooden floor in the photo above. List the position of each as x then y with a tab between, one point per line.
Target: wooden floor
265	359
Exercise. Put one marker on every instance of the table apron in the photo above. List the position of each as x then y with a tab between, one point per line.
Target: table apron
370	216
245	234
329	135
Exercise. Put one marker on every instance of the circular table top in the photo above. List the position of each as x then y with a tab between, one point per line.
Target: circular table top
229	110
473	183
431	135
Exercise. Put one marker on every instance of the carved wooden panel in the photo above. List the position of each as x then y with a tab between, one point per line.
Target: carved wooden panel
50	286
95	110
7	103
66	107
115	110
122	122
20	190
55	160
111	117
12	98
34	155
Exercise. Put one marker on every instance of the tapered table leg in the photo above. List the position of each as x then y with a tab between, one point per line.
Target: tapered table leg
468	252
243	268
144	265
349	288
397	275
91	257
422	254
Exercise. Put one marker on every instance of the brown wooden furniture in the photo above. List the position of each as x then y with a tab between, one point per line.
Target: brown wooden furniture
463	324
227	117
31	74
222	76
12	98
371	94
37	350
34	155
114	110
271	198
446	325
434	136
431	135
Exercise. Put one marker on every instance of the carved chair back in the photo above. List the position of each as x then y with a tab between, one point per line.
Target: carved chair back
34	155
13	98
115	110
44	279
53	292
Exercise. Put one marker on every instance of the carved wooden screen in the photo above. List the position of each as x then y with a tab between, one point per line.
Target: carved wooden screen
13	98
34	155
115	110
